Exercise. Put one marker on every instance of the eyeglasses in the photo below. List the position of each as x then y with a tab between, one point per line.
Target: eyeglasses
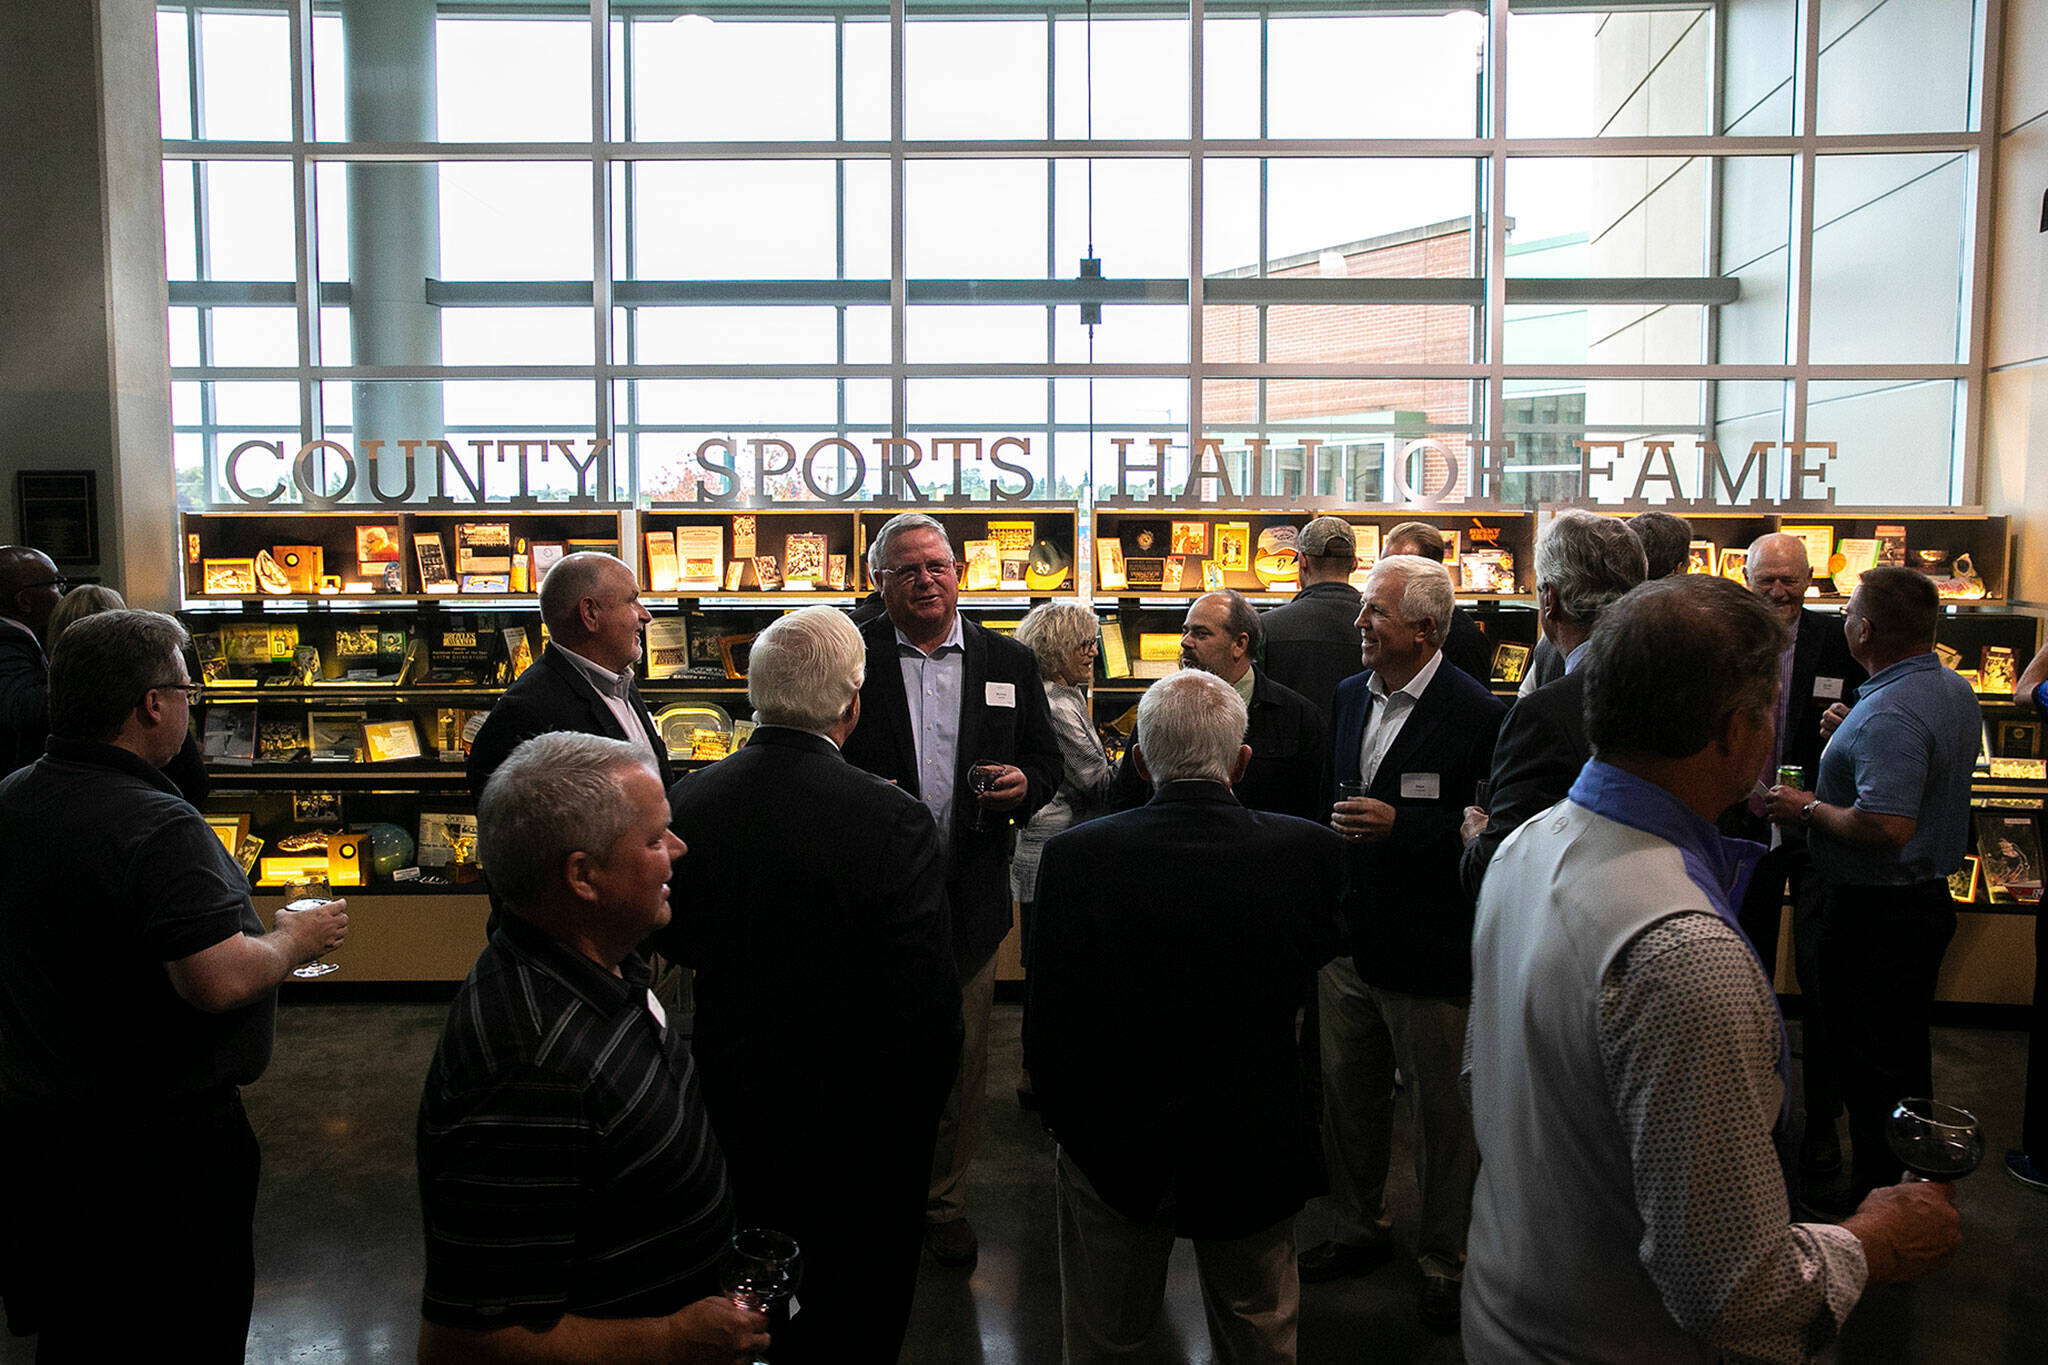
193	691
935	570
60	584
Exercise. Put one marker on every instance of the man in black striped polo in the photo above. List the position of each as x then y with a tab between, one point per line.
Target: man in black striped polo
575	1199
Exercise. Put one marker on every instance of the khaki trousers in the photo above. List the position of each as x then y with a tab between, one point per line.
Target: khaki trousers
960	1120
1113	1282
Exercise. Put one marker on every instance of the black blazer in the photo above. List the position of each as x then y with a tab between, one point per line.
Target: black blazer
1170	950
1820	660
977	884
1541	748
1285	732
552	695
24	698
1411	926
1312	642
1466	645
812	902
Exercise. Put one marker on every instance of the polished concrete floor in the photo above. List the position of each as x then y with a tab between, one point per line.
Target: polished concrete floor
338	1246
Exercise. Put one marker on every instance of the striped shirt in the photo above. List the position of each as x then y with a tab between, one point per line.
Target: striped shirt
565	1161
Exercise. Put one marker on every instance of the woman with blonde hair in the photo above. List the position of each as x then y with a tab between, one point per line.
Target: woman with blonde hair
1064	637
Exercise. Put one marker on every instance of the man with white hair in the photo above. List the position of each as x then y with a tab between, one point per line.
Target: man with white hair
1168	960
1584	563
828	1013
1411	740
575	1201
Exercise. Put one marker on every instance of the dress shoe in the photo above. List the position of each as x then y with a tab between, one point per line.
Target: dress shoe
953	1243
1820	1154
1335	1260
2026	1170
1437	1302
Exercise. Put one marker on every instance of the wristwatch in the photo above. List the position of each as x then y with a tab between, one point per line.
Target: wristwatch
1806	814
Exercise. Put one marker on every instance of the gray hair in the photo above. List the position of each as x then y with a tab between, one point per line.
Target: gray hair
573	578
878	548
1190	725
1671	661
87	599
1425	591
558	794
1667	541
806	669
102	666
1053	630
1590	560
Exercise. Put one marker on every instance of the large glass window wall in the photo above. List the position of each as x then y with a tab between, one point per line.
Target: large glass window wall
1399	251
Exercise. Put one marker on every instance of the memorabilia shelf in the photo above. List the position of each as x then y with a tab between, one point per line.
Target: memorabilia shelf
1145	553
349	655
377	554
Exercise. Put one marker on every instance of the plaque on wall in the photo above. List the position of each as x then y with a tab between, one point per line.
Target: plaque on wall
57	512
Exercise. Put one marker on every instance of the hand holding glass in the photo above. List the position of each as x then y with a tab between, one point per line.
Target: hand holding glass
760	1268
306	893
1935	1141
982	779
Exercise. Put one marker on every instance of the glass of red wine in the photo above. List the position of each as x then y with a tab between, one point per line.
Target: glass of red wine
981	780
1935	1141
760	1268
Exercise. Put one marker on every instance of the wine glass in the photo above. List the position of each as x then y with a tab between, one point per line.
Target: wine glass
981	780
760	1268
1935	1141
304	893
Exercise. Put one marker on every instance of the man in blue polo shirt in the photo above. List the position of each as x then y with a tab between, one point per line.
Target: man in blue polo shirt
1888	822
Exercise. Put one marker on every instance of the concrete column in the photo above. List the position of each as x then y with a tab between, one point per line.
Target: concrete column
394	219
85	377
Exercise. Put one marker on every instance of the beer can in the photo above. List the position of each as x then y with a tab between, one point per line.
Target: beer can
1792	775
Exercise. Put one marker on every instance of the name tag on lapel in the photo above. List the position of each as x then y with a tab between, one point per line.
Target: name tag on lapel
1002	694
1828	689
1421	786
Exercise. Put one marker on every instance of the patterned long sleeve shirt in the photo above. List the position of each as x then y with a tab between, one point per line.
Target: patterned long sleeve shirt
1688	1033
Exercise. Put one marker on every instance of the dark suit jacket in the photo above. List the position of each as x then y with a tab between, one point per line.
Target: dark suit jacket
1411	926
1286	733
1541	748
977	884
24	698
1467	646
1819	651
1312	642
1171	948
551	695
812	902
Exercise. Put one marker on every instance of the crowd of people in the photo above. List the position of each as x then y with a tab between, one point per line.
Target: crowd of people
1331	872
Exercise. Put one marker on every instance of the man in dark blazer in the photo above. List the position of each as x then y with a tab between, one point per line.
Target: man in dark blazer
1221	636
944	696
828	1012
583	680
1418	736
1167	1075
1815	672
1584	563
1312	641
30	587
